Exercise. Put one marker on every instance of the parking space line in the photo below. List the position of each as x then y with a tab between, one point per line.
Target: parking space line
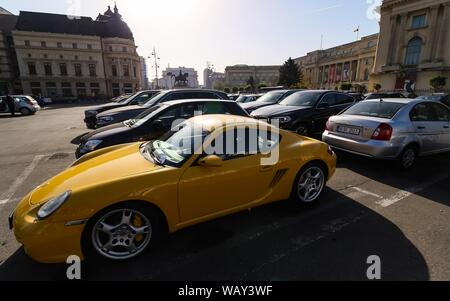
403	194
367	192
6	196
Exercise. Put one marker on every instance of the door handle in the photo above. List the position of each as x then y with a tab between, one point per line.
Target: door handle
421	127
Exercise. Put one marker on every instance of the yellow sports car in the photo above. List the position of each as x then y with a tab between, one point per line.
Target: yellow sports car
115	202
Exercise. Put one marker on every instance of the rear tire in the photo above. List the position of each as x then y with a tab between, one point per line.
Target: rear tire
122	232
309	184
408	157
25	111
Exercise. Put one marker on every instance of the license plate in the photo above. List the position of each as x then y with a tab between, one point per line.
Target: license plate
348	130
10	220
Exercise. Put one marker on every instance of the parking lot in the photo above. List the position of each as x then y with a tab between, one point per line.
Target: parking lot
369	208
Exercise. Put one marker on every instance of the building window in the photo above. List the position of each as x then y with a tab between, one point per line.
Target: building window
29	55
110	48
91	58
114	70
76	57
43	44
366	74
92	70
413	51
61	56
45	56
63	69
36	88
89	46
59	45
32	68
78	71
67	89
74	45
126	70
81	89
51	89
27	43
48	69
419	21
128	88
116	89
134	71
124	49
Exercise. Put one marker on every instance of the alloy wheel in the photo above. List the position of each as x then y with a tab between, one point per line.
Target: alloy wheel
310	184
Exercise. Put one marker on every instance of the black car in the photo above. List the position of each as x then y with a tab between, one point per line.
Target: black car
153	123
122	101
129	112
306	112
384	95
268	99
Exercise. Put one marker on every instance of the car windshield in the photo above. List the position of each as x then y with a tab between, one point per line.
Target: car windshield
302	99
271	97
154	100
241	99
177	146
144	116
380	109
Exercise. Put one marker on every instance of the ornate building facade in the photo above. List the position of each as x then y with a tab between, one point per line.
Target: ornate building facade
413	46
75	57
239	75
346	64
8	66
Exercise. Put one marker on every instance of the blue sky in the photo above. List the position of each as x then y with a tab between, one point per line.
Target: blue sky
226	32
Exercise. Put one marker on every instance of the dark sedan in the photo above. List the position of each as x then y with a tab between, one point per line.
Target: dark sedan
122	101
267	99
121	114
153	123
306	112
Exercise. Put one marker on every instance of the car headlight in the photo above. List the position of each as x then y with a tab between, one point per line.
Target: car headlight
91	113
105	118
52	205
92	144
285	119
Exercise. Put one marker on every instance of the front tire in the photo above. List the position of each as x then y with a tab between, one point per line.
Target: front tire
309	184
122	232
302	129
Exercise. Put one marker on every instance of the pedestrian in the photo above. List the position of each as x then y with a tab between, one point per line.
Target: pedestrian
10	103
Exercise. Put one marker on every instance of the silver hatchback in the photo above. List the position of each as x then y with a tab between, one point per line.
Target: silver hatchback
398	129
24	104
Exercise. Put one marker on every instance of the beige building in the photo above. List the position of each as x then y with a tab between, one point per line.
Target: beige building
8	66
350	63
239	75
414	45
76	57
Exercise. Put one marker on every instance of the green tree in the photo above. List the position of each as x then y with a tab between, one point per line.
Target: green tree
438	83
262	85
235	90
241	89
377	87
227	90
248	88
346	87
290	74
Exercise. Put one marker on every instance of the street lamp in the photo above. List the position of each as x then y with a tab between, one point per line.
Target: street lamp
157	58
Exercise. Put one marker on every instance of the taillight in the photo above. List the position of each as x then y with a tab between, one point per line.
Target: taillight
29	102
328	126
383	132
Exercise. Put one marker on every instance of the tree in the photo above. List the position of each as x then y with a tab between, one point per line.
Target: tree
248	88
438	83
227	90
241	89
377	87
262	85
235	90
290	74
251	83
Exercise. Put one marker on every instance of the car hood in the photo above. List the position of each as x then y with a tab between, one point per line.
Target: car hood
121	110
278	110
115	165
107	106
105	131
255	105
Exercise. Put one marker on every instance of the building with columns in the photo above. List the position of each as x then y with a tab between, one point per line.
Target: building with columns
345	64
239	75
64	57
414	45
8	66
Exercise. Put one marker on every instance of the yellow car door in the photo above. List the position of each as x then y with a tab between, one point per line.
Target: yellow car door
205	191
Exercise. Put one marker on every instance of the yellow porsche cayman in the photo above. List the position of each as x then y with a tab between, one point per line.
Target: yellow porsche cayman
115	202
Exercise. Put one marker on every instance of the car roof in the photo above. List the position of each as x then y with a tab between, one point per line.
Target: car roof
182	101
211	122
395	100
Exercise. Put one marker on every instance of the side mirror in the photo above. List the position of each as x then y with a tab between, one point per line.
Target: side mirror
210	161
158	125
323	105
